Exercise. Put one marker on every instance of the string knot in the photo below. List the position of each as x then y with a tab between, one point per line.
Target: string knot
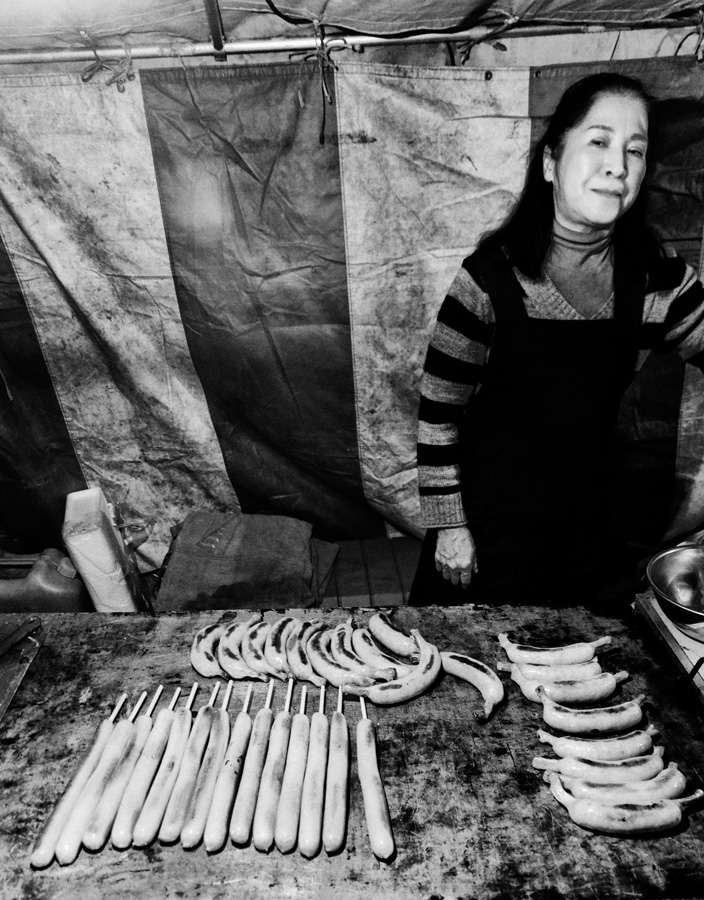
121	70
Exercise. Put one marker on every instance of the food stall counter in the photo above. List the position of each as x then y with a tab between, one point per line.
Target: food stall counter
471	815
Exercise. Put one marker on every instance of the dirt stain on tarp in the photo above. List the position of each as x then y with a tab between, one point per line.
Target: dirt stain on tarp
352	137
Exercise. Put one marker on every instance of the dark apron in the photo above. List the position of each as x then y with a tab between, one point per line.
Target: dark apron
536	451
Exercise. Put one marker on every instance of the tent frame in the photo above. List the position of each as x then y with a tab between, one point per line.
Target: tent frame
220	48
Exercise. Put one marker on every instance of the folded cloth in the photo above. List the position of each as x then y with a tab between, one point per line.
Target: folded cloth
241	561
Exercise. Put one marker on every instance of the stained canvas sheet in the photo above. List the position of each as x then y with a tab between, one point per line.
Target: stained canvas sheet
73	23
80	218
428	163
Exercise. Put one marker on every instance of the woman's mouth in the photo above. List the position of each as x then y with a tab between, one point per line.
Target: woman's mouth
607	192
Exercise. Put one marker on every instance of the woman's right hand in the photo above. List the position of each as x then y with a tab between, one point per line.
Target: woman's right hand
456	555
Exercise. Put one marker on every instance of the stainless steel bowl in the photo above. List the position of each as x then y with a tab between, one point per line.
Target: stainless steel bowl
677	578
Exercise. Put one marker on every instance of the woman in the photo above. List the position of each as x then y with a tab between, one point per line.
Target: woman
533	349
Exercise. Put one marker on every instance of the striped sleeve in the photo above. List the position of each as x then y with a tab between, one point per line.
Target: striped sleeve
674	311
456	353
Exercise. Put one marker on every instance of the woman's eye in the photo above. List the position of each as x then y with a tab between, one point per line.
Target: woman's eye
598	142
636	151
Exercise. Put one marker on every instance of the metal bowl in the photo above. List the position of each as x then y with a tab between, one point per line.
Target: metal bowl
677	578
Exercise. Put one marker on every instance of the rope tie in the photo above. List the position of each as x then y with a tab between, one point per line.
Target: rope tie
322	55
465	47
699	32
121	70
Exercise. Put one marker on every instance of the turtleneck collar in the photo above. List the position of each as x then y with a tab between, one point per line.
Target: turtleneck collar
581	268
575	249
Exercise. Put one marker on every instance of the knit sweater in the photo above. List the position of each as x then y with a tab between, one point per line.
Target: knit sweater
673	320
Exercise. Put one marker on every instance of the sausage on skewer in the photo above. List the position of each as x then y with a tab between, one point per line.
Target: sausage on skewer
218	822
246	799
202	796
45	845
147	825
272	776
98	828
289	811
141	779
177	807
313	799
376	808
69	843
336	784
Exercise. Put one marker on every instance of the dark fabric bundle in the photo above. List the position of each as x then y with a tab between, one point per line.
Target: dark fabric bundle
236	561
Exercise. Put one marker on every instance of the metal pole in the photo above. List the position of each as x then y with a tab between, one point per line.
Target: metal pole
292	45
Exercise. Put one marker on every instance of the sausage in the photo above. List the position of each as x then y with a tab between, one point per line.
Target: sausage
69	842
618	771
668	784
99	826
312	800
202	796
602	719
337	781
147	825
43	850
623	818
421	678
246	799
376	809
391	636
177	807
272	777
548	656
218	821
289	811
634	743
480	676
141	779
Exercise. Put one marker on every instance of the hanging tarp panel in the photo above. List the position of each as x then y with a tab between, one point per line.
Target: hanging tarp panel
232	281
81	221
430	159
253	211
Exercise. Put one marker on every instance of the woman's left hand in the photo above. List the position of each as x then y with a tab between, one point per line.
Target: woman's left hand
456	555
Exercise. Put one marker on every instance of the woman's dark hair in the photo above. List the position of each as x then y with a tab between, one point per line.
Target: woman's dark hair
526	233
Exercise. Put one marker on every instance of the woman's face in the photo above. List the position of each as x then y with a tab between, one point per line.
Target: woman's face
599	170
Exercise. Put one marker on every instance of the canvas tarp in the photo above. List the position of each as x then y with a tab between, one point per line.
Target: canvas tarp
66	24
227	284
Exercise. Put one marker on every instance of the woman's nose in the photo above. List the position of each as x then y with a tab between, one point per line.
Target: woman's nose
617	164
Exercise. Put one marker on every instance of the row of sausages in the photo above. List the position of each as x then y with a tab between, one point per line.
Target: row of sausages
178	777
